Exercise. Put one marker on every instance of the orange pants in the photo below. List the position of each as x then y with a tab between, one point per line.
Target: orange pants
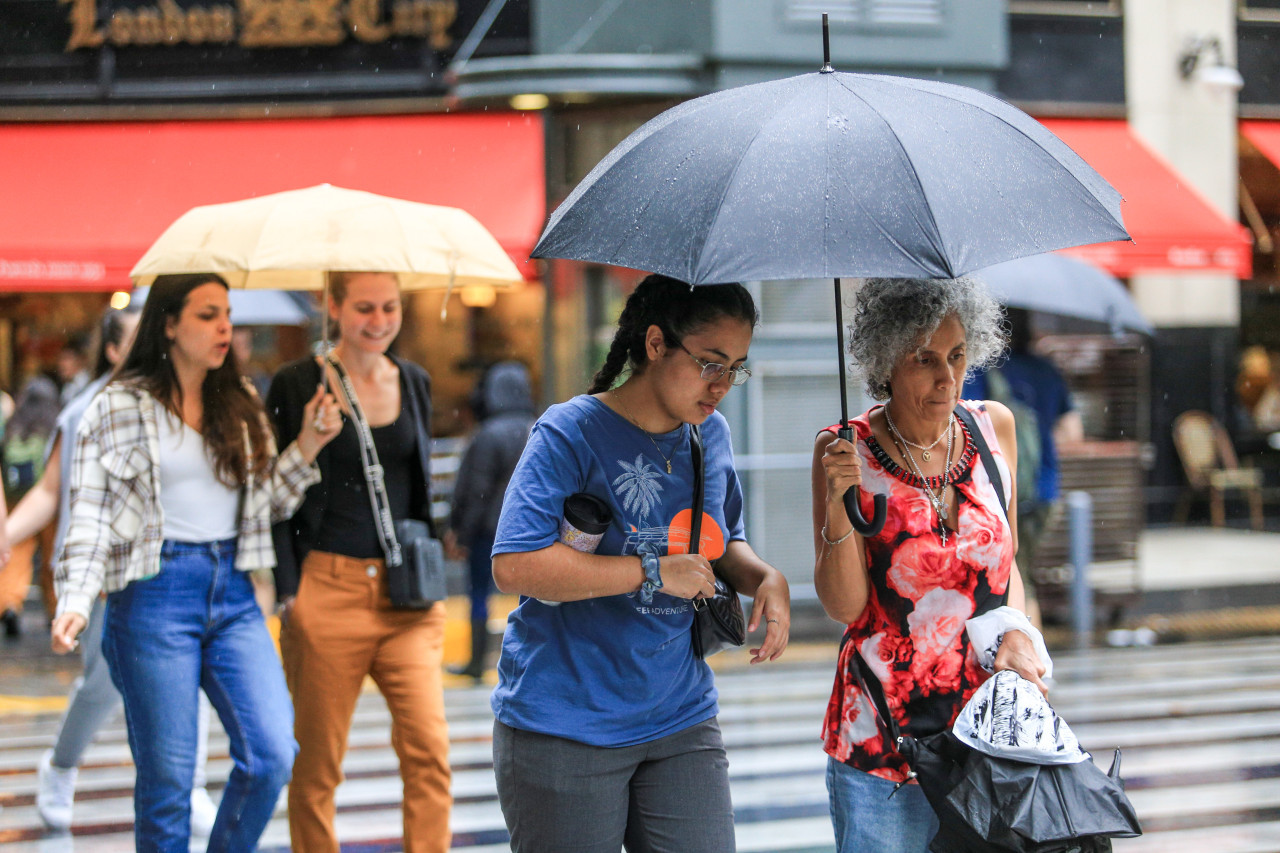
342	628
16	575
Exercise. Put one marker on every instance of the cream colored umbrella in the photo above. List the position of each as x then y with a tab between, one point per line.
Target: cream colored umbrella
290	240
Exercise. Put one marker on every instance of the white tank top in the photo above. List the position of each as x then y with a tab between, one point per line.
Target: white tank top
197	506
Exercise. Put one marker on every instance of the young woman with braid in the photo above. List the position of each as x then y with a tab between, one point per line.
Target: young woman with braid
606	734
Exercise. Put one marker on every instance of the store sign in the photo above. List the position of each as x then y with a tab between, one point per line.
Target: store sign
35	269
261	23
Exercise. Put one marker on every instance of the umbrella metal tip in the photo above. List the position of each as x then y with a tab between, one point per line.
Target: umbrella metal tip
826	45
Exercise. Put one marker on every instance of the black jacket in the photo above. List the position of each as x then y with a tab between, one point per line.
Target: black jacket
293	386
491	457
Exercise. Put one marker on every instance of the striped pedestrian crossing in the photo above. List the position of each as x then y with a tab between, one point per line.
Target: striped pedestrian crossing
1199	725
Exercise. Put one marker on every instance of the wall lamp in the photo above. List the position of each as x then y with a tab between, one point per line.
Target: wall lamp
1202	60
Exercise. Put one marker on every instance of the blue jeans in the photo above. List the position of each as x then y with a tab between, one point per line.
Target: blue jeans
867	821
196	626
480	569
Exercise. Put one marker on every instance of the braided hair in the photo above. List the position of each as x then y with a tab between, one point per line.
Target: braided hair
678	309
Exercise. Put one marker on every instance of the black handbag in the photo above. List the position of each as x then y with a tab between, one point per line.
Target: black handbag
414	558
419	581
718	622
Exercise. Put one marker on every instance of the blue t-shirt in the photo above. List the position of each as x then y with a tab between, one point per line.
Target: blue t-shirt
1035	382
611	671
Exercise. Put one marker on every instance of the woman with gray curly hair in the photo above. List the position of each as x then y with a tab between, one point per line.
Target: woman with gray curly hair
944	556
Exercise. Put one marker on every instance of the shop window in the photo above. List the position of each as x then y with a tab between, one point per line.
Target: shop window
1083	8
867	13
1109	377
1259	10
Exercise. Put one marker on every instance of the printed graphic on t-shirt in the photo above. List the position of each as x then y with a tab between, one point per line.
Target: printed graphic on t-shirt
639	489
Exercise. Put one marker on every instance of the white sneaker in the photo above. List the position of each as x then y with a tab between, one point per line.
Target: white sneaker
203	813
56	794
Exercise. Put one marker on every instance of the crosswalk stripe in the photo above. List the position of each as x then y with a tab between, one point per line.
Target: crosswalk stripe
1201	745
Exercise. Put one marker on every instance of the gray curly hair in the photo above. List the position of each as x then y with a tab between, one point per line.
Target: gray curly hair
895	316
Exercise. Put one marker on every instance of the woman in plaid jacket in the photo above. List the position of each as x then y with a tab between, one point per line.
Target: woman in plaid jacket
174	485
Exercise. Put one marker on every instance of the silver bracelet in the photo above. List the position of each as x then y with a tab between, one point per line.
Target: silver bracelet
838	541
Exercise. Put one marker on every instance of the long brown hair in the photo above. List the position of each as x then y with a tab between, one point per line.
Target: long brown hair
229	407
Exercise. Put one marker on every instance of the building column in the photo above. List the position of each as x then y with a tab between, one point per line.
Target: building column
1194	127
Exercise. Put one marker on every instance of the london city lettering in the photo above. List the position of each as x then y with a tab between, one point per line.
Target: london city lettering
261	23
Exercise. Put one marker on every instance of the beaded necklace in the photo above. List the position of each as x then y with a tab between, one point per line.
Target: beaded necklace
935	498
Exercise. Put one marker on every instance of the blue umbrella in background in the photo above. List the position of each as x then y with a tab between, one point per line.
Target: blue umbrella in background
1059	284
255	307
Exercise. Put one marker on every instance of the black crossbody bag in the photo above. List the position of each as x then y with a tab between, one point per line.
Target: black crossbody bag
718	622
415	559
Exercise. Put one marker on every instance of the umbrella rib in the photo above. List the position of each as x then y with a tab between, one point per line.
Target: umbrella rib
1090	197
933	231
728	185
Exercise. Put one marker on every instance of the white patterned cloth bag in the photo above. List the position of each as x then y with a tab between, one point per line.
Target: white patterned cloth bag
1008	717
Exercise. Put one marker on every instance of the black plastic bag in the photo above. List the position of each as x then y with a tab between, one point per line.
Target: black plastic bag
986	804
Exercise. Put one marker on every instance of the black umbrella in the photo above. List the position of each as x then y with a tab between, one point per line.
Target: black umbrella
832	175
986	804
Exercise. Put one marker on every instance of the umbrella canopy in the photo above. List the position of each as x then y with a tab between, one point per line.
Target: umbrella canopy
832	175
289	240
1058	284
254	307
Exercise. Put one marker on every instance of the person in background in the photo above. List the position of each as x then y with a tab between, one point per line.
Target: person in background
6	411
485	470
175	482
1038	395
337	622
72	369
605	733
945	555
25	438
242	343
1258	390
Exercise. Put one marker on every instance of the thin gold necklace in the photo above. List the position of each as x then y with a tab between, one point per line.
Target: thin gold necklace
648	434
938	499
922	448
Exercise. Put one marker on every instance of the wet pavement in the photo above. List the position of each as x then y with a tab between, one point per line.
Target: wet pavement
1198	722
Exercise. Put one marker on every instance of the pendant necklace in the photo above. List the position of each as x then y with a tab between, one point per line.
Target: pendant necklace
648	434
924	450
935	498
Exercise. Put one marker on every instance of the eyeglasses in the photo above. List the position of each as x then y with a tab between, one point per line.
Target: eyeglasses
712	372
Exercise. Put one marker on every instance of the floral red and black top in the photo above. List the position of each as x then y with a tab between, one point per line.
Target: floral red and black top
911	633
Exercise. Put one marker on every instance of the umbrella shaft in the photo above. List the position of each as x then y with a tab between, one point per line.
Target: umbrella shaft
844	395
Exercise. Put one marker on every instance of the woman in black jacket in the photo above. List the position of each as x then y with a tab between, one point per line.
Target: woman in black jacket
486	468
338	624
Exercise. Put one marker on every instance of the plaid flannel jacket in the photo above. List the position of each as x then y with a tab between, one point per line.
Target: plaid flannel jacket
116	520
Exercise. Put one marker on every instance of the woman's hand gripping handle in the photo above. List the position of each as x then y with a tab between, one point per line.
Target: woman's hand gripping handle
853	505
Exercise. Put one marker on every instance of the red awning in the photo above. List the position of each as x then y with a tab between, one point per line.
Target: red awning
1174	228
1266	136
83	201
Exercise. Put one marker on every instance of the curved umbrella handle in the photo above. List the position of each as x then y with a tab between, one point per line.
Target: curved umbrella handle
853	507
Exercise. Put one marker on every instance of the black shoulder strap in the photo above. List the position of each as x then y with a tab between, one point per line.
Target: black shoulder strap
988	461
695	523
873	690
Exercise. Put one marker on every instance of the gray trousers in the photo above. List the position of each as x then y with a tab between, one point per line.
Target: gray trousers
667	796
94	701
